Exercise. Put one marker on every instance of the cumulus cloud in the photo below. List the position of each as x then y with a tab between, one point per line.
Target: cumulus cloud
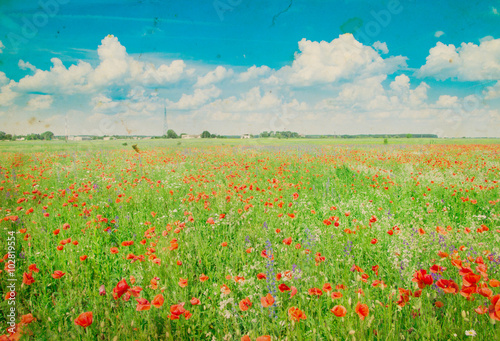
197	99
115	68
7	95
1	47
253	72
382	47
103	103
492	92
343	58
469	62
26	65
369	95
438	34
3	79
40	102
446	101
214	76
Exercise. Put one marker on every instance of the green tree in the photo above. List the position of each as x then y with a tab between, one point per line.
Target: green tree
48	135
408	136
2	135
205	135
171	134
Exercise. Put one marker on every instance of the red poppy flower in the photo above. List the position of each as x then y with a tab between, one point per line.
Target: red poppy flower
362	310
28	278
339	311
296	314
315	291
157	301
422	278
120	289
183	282
494	308
336	295
142	304
267	301
245	304
448	286
33	268
261	276
58	274
283	287
84	320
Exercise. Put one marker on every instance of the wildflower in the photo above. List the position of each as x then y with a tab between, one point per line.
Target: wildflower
58	274
120	289
143	304
339	311
471	332
84	319
296	314
494	308
267	301
157	301
362	310
245	304
28	278
183	282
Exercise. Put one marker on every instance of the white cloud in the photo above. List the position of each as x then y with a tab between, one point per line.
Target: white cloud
446	101
343	58
492	92
58	79
115	68
438	34
197	99
39	102
26	65
469	62
252	100
3	79
494	10
253	72
103	103
7	96
1	47
382	47
214	76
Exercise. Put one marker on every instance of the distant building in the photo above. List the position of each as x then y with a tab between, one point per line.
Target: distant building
82	138
20	139
191	136
106	138
246	136
147	138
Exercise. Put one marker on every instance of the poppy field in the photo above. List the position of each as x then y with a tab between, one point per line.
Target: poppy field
242	242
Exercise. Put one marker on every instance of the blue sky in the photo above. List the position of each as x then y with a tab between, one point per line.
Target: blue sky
235	66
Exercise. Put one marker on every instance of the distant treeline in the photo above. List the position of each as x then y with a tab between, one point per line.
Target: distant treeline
364	136
172	135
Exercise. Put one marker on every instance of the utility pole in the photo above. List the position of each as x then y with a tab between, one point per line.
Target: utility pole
165	122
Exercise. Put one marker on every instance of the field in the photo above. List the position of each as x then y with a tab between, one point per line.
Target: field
246	240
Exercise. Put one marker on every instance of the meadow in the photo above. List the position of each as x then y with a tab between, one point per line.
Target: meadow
250	240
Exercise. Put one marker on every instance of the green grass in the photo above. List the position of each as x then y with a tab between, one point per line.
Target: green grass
109	194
